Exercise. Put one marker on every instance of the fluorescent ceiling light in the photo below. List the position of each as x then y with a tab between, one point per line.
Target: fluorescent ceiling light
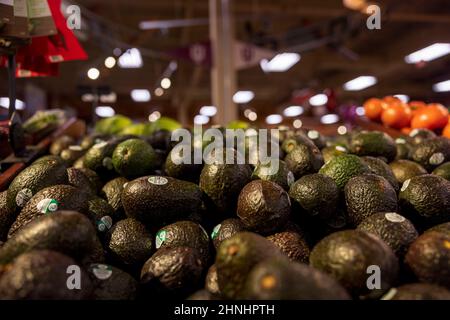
318	100
342	130
131	59
209	111
88	97
429	53
166	83
360	111
274	119
243	97
200	119
360	83
108	98
329	118
297	124
4	103
110	62
104	111
443	86
173	65
159	92
140	95
293	111
154	116
280	63
403	97
252	116
93	73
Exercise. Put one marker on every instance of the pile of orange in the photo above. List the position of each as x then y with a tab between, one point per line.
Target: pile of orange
394	113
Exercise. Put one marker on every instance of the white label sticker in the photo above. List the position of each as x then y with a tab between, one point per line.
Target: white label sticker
290	178
157	180
394	217
436	159
125	185
414	133
101	271
75	148
23	196
100	145
313	134
340	148
390	294
160	238
107	163
400	141
215	231
405	185
47	206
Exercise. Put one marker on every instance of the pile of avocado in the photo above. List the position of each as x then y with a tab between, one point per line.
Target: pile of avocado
356	216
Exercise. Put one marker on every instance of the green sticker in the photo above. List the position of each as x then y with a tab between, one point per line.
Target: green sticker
160	238
47	206
215	231
104	224
101	271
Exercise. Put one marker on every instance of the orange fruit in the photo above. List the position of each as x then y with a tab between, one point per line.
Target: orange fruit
416	106
406	130
391	100
373	108
397	115
446	132
434	116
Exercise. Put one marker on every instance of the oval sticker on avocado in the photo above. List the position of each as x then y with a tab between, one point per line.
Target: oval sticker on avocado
215	231
23	196
159	181
437	159
105	223
101	271
394	217
400	141
313	134
290	178
405	185
47	206
75	148
160	238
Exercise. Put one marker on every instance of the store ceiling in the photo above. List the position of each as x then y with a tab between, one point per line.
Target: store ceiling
406	27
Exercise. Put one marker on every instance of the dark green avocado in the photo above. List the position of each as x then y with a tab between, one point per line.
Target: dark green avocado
264	207
431	153
226	229
417	291
375	144
60	144
134	158
72	154
292	244
78	179
176	167
417	136
368	194
7	216
112	192
111	283
211	281
406	169
381	168
304	159
98	158
344	167
443	171
283	176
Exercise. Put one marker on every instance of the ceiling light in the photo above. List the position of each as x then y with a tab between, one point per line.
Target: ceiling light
140	95
360	111
87	97
280	63
104	111
297	124
243	96
274	119
443	86
159	92
117	52
200	119
342	130
166	83
108	98
403	97
4	103
318	100
173	65
360	83
329	118
110	62
93	73
293	111
429	53
209	111
252	116
154	116
131	59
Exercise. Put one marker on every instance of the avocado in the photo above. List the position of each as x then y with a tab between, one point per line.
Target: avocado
130	244
42	275
7	216
72	154
443	171
93	178
330	152
425	199
112	192
172	271
68	232
226	229
417	291
303	160
443	227
381	168
211	281
417	136
298	138
222	183
176	167
33	179
160	139
375	144
78	179
347	255
316	194
343	168
49	200
79	163
429	257
98	158
184	234
48	159
203	295
283	176
406	169
134	158
432	153
264	207
368	194
403	148
60	144
157	200
237	256
292	244
317	138
101	214
394	229
279	279
111	283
